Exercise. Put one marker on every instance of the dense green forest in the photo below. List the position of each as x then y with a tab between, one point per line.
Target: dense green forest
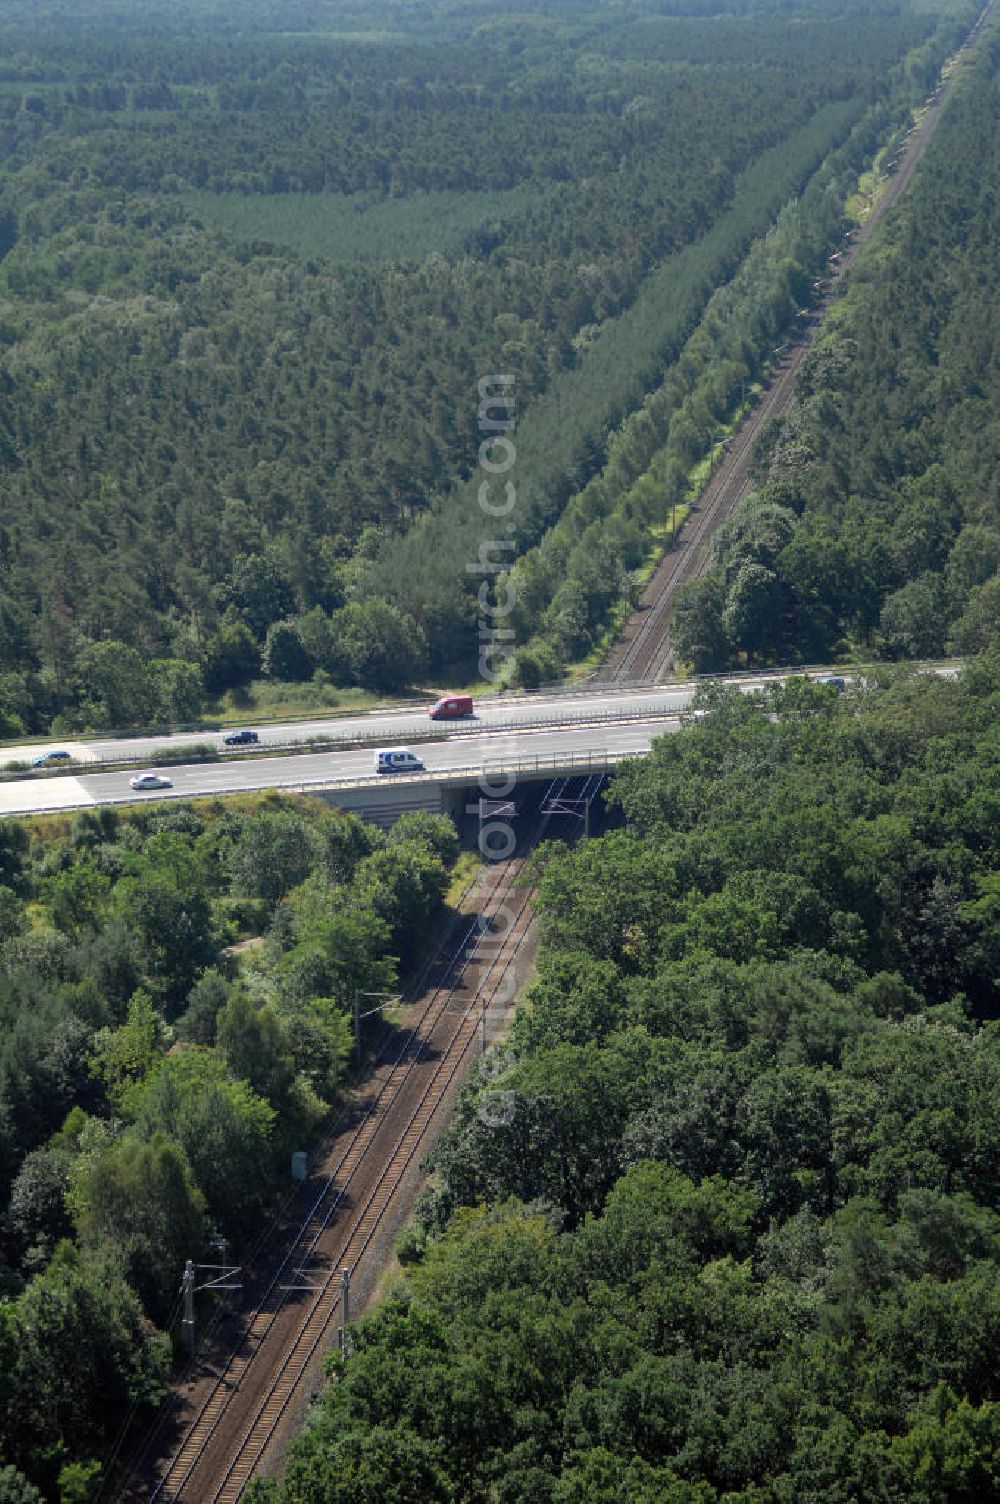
153	1081
720	1221
250	278
875	524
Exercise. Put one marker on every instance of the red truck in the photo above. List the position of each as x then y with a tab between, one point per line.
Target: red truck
451	708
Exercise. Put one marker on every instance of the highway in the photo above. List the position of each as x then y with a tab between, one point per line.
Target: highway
85	790
395	726
603	722
390	728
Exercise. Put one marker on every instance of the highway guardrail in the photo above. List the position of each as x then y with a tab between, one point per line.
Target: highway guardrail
590	761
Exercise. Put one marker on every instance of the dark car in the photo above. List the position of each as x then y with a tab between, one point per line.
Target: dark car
56	755
240	738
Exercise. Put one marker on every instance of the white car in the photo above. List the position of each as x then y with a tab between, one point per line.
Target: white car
150	781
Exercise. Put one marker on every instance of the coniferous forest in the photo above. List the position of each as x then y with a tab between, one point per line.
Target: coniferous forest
250	277
875	524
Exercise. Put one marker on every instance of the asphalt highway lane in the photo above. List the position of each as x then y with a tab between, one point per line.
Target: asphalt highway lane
87	790
397	726
592	721
495	712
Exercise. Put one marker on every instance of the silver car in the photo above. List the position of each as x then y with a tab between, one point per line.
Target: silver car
151	781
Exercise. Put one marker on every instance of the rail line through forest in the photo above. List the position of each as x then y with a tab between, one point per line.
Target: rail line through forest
644	650
327	1302
238	1419
378	1082
242	1413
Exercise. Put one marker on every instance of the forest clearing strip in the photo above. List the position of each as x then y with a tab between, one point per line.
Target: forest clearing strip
646	653
287	1353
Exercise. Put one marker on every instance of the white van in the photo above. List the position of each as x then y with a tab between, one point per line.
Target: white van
397	760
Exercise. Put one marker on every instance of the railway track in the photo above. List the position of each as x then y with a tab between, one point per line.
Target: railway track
275	1362
261	1253
644	651
317	1321
645	648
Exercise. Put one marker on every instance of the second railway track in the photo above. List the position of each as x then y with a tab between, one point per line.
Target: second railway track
273	1365
317	1321
276	1358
